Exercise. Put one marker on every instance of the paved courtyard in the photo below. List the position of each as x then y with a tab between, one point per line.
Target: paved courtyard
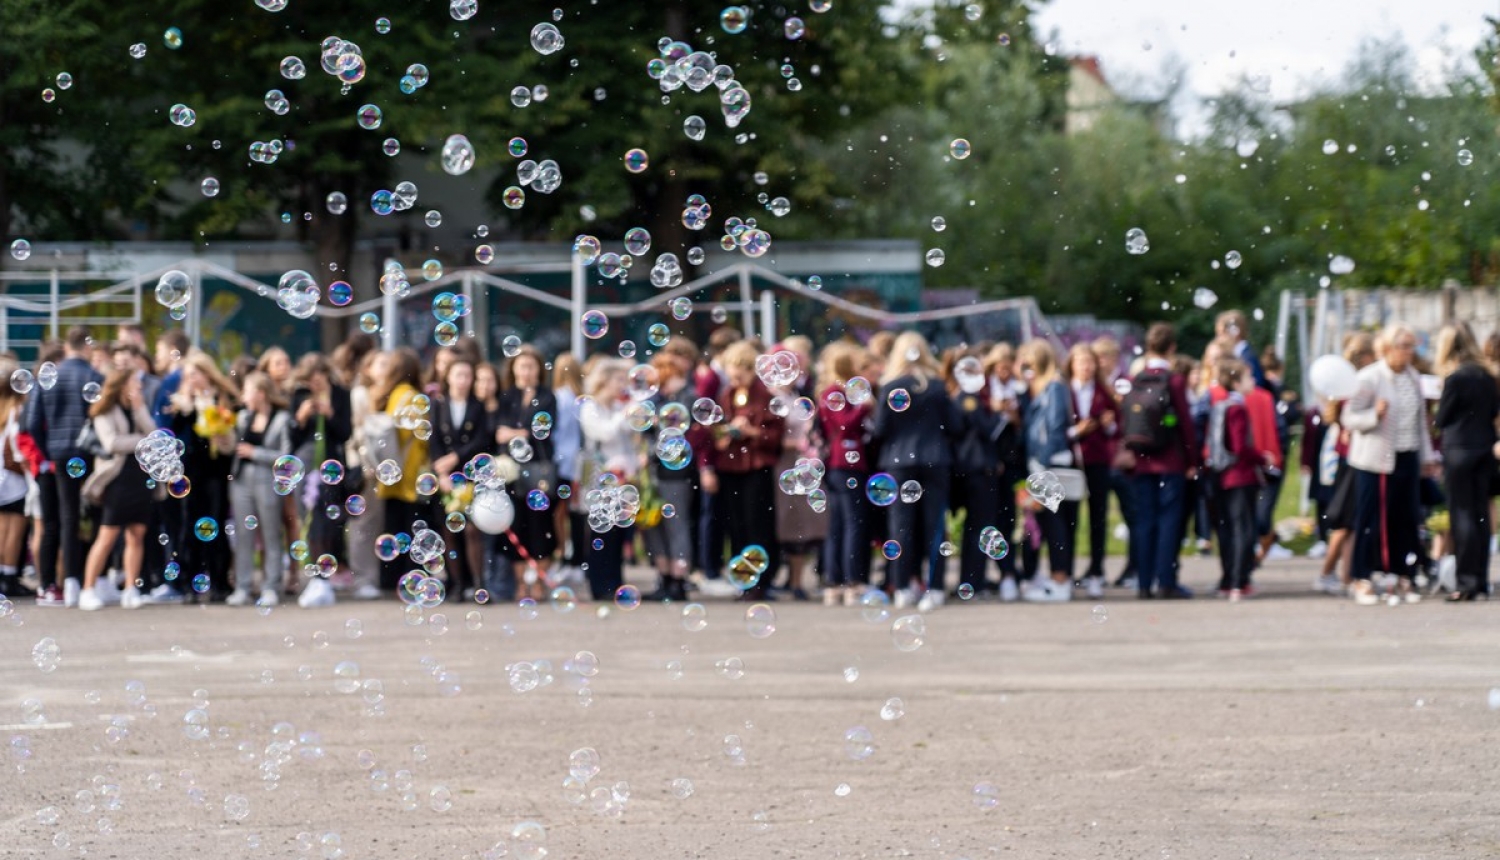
1292	725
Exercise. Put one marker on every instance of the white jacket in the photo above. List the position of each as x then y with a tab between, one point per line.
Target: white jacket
1372	445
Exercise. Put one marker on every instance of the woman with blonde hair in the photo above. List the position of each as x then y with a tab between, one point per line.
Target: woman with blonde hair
277	366
567	441
610	446
1390	449
264	433
360	460
1049	418
1094	433
845	431
1465	421
738	466
916	425
202	416
395	393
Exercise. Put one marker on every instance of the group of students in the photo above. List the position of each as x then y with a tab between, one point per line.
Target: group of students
731	464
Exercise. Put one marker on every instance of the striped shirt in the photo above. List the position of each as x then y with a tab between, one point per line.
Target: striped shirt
1407	414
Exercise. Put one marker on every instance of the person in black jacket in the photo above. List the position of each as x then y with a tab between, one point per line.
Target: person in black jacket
460	430
533	537
978	473
322	423
916	424
1466	422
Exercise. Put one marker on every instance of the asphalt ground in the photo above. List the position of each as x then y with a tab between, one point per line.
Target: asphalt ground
1290	725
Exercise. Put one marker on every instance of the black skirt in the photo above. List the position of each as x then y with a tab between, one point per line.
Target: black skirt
127	499
1340	510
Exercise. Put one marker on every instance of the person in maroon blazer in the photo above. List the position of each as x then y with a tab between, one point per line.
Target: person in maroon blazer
1094	435
1235	484
739	465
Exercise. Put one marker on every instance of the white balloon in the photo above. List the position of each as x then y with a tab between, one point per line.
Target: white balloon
1332	376
492	511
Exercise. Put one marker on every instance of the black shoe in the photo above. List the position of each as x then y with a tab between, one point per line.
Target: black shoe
13	588
1178	593
1145	595
800	596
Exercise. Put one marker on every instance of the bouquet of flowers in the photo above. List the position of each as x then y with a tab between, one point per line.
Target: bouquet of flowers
650	515
216	424
458	499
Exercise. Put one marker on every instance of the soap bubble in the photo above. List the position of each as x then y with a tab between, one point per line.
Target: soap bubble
1136	242
594	324
959	148
1046	488
908	632
458	155
881	489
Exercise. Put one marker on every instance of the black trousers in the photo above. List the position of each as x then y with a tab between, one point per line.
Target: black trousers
1097	478
1467	475
607	563
746	505
1234	521
62	502
1059	533
918	527
979	493
1386	514
209	497
399	516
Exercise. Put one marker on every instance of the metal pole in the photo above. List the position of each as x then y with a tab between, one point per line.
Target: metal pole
768	316
1283	312
195	309
747	303
55	287
390	319
580	297
467	289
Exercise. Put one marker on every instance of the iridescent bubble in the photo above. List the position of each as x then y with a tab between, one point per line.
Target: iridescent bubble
628	597
172	38
694	127
959	148
760	620
908	632
891	550
681	307
794	29
694	617
899	399
658	334
594	324
881	489
636	160
76	467
369	117
734	19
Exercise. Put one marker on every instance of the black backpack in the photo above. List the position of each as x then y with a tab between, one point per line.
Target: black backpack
1146	427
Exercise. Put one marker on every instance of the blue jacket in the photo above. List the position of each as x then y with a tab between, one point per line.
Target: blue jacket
1048	418
164	391
55	415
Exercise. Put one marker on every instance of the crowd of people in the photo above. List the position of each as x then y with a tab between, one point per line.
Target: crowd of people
133	476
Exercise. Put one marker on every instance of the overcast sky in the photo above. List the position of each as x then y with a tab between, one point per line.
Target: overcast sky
1293	43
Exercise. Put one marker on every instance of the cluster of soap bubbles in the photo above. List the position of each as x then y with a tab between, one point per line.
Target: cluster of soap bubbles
298	294
393	279
543	177
46	655
583	767
612	504
679	65
747	566
743	235
778	369
805	478
22	380
159	454
1046	488
266	151
666	272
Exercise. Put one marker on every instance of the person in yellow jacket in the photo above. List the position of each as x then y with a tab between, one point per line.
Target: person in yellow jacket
396	399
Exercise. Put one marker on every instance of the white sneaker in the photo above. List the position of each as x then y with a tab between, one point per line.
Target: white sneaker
1277	552
131	598
1448	573
364	592
164	594
1094	587
717	587
905	597
833	595
1318	550
268	598
1009	593
931	600
89	600
238	597
317	593
1049	592
1328	584
71	588
106	590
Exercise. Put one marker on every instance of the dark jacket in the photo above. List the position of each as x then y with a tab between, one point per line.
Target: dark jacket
977	450
337	428
1466	411
517	415
474	436
924	433
1182	453
55	415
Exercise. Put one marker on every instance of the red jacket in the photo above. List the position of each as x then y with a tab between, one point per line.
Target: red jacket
1247	454
1098	447
844	431
1262	408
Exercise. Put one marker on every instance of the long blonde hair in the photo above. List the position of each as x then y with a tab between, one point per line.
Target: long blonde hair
911	356
1038	356
1456	346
